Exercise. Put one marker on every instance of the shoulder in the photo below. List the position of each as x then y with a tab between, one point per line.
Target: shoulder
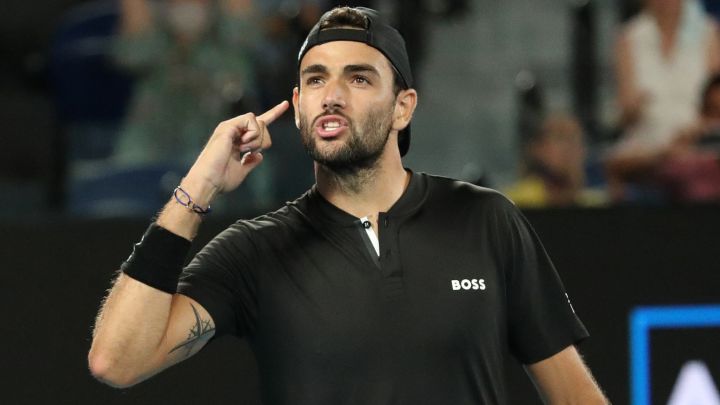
468	209
457	196
250	239
454	188
291	215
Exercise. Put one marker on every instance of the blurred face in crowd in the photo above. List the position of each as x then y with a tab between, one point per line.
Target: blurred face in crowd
188	18
344	104
560	147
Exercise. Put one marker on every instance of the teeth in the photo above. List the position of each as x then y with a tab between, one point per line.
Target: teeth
331	125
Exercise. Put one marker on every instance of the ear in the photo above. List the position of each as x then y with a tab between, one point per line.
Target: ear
295	102
405	104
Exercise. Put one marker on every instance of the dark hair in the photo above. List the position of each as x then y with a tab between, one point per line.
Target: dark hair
348	17
344	17
710	85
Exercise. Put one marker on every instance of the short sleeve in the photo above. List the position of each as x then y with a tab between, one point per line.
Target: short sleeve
541	320
220	279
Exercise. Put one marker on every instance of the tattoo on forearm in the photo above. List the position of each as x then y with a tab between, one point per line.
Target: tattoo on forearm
200	332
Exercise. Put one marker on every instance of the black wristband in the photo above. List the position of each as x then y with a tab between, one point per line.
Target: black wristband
157	260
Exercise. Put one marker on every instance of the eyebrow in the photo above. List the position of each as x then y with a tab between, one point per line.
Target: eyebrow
361	68
314	69
318	68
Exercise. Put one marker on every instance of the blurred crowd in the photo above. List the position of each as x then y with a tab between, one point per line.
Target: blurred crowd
140	85
667	72
190	64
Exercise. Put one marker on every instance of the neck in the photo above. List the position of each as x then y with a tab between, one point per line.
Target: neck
367	191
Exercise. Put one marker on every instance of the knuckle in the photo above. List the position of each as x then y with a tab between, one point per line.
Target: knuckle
224	126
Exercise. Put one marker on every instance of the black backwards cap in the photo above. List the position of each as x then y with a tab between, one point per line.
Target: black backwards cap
379	35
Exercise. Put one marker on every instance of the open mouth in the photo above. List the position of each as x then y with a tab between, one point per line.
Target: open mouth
330	126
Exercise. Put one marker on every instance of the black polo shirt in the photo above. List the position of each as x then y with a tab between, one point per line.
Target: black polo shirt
461	277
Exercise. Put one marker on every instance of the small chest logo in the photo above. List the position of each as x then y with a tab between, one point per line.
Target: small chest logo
468	284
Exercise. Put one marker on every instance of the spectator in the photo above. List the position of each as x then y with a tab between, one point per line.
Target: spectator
663	57
193	60
691	170
553	171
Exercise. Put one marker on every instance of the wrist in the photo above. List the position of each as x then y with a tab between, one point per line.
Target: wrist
202	191
157	259
181	215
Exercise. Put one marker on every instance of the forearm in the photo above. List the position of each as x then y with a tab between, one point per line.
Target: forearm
563	379
588	394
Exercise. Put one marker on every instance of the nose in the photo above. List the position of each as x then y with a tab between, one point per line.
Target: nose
334	96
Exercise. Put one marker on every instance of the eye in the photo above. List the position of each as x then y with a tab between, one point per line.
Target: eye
360	80
313	81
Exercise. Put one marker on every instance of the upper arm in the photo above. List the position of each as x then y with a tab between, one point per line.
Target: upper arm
189	328
140	331
564	379
213	299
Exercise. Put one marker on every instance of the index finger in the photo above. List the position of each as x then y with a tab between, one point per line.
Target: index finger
272	114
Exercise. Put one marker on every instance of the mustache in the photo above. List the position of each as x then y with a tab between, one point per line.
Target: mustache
331	111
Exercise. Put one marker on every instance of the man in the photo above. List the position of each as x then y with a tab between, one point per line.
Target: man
379	285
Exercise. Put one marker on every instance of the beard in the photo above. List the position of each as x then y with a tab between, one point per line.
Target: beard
362	149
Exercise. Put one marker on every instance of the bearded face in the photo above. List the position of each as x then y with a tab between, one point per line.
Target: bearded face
360	148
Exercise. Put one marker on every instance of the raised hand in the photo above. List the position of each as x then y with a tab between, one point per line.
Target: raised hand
233	151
